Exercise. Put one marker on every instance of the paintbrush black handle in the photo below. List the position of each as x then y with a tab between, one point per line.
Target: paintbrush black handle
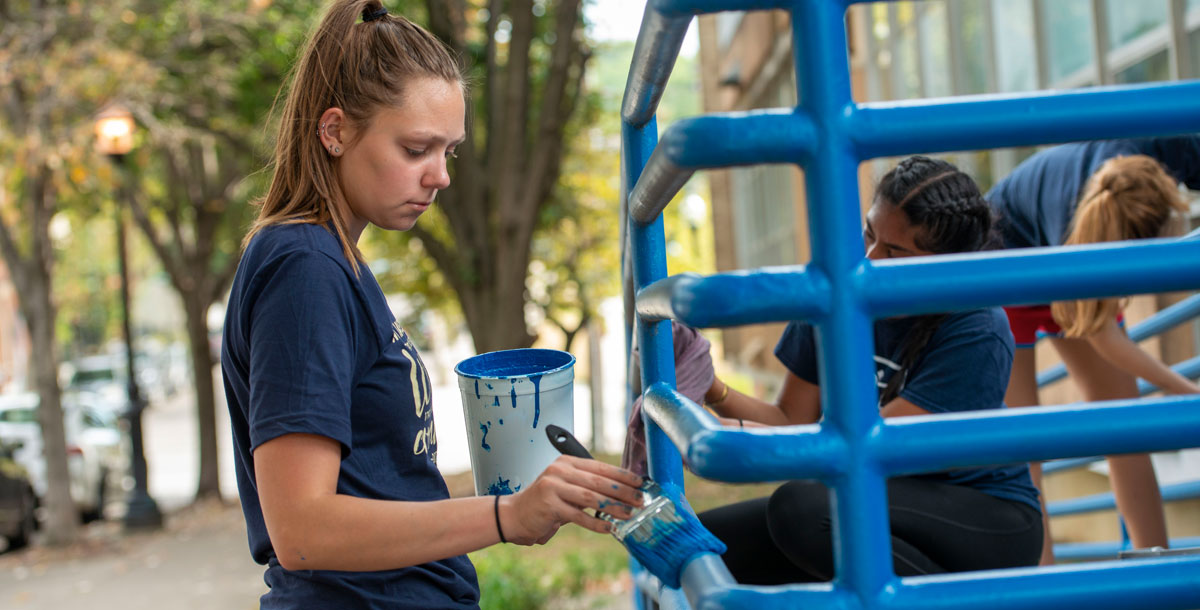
566	443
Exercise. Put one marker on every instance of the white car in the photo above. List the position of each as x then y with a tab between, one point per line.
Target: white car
97	449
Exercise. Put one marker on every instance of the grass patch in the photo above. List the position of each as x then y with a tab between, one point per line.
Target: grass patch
577	568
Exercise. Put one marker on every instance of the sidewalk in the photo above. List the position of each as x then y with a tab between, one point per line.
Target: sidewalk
199	561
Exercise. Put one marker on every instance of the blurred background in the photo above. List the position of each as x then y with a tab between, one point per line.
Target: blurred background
135	136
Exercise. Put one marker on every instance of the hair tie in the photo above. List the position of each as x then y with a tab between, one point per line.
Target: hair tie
375	14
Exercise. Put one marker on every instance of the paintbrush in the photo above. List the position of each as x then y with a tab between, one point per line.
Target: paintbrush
664	534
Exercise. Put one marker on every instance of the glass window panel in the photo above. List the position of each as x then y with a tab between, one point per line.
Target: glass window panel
1068	29
1193	42
1016	62
968	26
1152	69
764	196
908	70
1128	20
935	50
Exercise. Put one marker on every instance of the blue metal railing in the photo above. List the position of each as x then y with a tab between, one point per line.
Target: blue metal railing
852	450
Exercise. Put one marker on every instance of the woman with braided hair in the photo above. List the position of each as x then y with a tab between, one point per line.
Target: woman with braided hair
966	519
1087	193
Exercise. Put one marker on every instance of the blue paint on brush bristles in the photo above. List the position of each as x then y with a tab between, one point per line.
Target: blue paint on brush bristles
667	536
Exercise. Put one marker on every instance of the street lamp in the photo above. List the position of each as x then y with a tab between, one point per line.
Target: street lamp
114	137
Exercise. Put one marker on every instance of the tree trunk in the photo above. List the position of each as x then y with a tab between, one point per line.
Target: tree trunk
62	517
32	276
196	309
495	313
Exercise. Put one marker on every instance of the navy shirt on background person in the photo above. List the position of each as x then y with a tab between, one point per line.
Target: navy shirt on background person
1037	200
330	360
964	367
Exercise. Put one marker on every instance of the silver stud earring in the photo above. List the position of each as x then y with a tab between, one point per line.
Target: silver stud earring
336	150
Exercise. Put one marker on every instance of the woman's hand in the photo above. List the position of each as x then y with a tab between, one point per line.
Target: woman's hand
560	495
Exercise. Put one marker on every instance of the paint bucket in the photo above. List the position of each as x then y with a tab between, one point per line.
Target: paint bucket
509	397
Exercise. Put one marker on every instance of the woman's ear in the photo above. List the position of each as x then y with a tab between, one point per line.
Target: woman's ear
331	131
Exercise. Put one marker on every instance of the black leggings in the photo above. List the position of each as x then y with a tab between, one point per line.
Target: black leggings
936	527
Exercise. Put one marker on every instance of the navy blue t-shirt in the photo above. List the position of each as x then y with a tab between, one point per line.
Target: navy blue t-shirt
1037	200
964	367
310	348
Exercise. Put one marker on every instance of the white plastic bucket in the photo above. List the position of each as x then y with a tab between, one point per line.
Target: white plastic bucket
509	397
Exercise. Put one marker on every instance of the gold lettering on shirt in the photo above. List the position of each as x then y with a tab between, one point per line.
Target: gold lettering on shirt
422	389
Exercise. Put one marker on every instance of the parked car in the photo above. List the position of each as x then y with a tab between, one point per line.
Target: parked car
97	452
18	504
105	376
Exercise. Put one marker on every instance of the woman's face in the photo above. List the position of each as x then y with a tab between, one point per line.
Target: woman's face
393	169
888	234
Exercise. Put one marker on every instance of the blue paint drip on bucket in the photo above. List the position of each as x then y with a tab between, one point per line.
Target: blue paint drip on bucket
537	397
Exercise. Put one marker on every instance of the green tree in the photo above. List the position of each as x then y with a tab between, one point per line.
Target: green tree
55	69
217	71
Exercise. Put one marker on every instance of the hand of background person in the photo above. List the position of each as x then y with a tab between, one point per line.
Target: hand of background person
693	377
562	493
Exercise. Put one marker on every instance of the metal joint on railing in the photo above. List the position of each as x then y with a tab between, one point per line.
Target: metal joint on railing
781	294
654	56
777	135
716	452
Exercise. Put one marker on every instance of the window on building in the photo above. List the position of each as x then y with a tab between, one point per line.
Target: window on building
764	196
934	40
1155	68
1067	33
969	39
727	25
1016	60
1128	20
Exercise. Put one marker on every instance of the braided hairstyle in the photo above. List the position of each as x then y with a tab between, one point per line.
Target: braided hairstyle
949	214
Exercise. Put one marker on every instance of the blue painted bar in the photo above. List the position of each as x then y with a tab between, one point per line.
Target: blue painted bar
699	7
764	136
1107	550
780	294
718	453
1068	464
1189	368
654	338
861	537
890	129
1161	583
931	443
654	54
955	282
772	135
1179	491
1160	322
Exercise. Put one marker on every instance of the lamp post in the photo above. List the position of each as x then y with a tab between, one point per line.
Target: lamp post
114	137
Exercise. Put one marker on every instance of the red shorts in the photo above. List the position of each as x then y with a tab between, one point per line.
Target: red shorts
1030	322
